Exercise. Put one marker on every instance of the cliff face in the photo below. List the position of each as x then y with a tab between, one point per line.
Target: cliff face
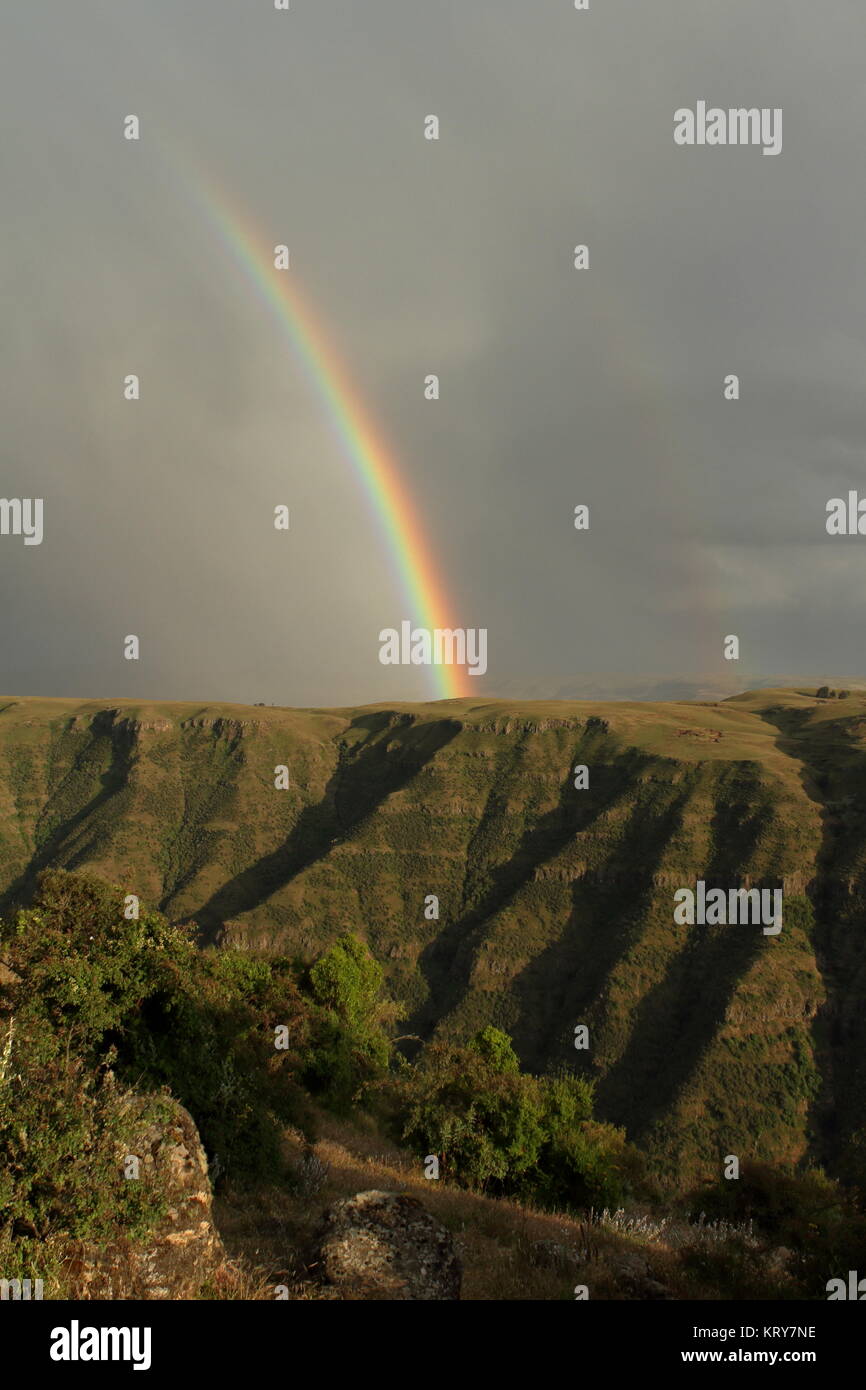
555	903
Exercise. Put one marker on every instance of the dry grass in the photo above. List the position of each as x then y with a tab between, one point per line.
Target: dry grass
509	1252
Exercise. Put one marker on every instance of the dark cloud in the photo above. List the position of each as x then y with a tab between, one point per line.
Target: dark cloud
558	386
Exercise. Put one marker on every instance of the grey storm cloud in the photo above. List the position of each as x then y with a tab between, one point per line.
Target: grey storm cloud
558	386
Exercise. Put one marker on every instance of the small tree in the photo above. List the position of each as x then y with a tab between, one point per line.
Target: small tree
348	981
350	1045
497	1050
473	1109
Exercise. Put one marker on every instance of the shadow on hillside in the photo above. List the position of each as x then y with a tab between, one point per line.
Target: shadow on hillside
833	773
559	985
366	774
55	852
677	1020
447	962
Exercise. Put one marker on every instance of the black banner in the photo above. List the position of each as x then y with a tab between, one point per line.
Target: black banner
169	1339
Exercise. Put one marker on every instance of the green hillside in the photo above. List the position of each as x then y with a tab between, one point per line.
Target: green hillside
555	904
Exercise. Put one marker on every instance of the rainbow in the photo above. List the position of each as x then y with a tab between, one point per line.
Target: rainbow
371	457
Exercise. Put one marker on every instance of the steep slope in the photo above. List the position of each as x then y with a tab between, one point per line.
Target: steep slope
555	904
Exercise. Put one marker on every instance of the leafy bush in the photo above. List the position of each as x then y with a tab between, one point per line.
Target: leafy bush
483	1120
63	1132
494	1128
349	1047
138	993
99	989
208	1035
582	1163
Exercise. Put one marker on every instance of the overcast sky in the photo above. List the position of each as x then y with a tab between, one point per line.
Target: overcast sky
558	386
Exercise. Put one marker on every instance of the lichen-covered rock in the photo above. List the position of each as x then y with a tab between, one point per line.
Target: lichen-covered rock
183	1250
384	1245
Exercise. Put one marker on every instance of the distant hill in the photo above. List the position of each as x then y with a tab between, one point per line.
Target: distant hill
715	685
555	904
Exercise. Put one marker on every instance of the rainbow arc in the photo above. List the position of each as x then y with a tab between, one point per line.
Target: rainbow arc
361	439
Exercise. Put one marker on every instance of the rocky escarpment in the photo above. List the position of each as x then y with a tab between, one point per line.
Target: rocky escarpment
500	884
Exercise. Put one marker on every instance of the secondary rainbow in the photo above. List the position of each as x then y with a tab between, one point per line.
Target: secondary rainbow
372	459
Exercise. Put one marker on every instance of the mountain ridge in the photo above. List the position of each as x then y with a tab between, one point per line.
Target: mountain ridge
555	904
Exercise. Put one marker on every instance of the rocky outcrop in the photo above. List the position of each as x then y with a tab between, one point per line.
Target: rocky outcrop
384	1245
183	1251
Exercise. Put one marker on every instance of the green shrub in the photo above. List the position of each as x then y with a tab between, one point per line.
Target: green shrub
348	1045
64	1131
496	1129
582	1163
91	986
483	1122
